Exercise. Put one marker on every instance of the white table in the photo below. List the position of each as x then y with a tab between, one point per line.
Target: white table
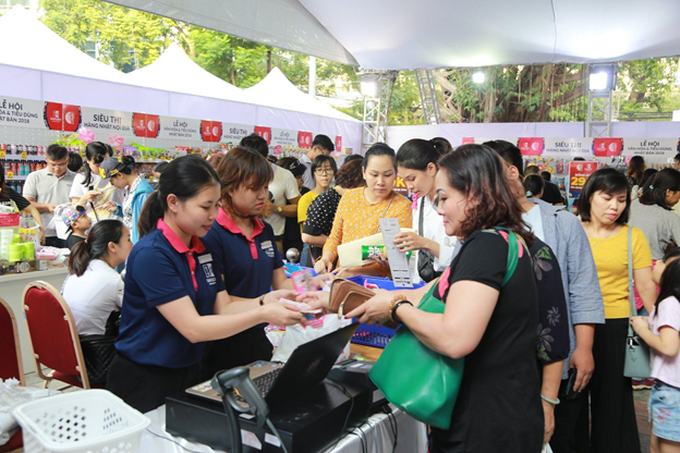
376	435
12	289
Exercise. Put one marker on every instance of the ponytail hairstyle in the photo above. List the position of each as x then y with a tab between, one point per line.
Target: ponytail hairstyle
128	165
656	186
242	167
442	145
670	282
96	152
183	177
533	184
417	154
95	246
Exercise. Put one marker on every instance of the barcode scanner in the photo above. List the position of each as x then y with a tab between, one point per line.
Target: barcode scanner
227	383
239	378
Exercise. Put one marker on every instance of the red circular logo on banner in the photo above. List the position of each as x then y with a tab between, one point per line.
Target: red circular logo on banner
62	117
531	146
264	132
146	125
607	147
304	139
211	131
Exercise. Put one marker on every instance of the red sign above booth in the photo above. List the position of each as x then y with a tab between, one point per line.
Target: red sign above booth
62	117
304	139
146	125
607	147
531	146
264	132
211	131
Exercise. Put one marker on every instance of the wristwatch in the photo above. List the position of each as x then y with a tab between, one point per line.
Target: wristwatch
279	208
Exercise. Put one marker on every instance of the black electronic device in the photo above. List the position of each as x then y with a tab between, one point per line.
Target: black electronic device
355	372
568	392
307	366
308	423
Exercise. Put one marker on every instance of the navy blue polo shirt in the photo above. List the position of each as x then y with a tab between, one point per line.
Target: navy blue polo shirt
162	269
248	262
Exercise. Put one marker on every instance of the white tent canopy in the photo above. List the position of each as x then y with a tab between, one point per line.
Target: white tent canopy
28	43
43	66
275	90
407	34
175	71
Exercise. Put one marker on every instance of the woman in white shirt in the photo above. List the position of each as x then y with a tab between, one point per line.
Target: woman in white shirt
94	289
417	165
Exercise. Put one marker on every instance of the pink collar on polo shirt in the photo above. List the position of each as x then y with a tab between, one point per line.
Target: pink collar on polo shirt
177	244
225	221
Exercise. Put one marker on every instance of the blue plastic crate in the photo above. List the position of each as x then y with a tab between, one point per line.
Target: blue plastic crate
373	335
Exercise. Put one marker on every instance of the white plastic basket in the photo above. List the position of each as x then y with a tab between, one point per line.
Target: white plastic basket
87	421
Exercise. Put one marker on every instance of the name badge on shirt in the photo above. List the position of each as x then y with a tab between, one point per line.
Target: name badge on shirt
268	248
206	263
205	258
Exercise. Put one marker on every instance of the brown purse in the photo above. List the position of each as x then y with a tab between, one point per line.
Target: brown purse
346	296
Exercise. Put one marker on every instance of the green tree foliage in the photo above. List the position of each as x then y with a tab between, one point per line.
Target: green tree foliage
126	38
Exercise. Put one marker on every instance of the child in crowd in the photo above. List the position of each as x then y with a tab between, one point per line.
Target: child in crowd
77	222
660	266
661	332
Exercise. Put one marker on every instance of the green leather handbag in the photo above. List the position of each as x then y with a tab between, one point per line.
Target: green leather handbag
418	380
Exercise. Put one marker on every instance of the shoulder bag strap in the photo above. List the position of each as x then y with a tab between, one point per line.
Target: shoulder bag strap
421	231
631	280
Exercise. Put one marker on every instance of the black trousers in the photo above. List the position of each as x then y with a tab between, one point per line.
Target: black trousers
569	436
612	410
145	387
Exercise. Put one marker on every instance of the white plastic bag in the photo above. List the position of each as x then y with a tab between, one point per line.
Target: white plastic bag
296	335
546	449
13	395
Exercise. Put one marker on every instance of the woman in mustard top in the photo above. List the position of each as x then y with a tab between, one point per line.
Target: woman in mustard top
361	209
604	206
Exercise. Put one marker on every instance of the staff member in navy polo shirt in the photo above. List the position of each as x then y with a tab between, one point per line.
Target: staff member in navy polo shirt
245	248
174	295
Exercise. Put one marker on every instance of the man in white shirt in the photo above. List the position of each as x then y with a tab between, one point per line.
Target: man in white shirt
321	145
50	187
283	190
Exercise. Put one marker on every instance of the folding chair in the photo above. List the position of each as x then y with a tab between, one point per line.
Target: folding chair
54	337
10	362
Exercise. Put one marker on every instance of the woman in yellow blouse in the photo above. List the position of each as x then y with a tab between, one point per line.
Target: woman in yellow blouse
604	206
360	210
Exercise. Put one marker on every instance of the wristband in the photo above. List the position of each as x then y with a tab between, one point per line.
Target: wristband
397	305
555	402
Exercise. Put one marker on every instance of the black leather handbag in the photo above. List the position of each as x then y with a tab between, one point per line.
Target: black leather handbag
99	350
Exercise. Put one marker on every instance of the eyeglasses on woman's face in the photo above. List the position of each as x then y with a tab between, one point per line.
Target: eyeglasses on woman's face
324	171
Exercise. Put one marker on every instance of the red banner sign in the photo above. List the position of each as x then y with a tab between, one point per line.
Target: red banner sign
305	139
211	131
579	172
531	146
146	125
264	132
338	143
607	147
62	117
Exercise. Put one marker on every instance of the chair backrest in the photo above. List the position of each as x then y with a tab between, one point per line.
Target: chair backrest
52	331
10	351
